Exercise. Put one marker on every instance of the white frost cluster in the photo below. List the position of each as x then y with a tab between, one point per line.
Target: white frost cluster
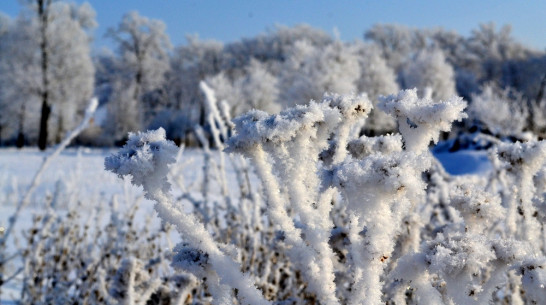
421	120
258	126
365	146
146	158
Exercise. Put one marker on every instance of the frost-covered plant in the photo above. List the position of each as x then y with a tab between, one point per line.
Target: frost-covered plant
517	165
293	140
484	233
390	252
145	158
349	220
72	257
257	88
241	226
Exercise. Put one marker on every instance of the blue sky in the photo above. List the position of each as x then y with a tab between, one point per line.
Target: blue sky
230	20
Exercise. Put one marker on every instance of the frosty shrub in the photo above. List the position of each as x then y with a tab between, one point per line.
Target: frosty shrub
509	117
348	220
72	257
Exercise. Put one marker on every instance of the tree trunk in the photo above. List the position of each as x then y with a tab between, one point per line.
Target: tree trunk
60	128
137	94
43	6
540	93
20	141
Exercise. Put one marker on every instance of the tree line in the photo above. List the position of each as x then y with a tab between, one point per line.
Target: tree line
48	73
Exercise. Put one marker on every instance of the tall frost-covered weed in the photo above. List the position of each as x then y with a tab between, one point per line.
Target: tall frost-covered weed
348	219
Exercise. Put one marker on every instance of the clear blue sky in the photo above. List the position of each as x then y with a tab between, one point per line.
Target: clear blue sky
230	20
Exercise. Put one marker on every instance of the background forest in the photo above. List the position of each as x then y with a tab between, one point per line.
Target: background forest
48	73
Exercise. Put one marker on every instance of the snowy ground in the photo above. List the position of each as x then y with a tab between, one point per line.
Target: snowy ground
78	175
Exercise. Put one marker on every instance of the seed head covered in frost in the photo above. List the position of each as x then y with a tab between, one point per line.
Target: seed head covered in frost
145	157
189	259
351	106
463	263
479	208
421	120
455	252
531	155
380	178
510	250
259	127
472	266
365	146
533	278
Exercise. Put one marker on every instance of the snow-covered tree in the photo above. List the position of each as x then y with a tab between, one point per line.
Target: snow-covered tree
397	42
42	10
452	44
143	48
257	88
491	48
71	67
273	45
309	72
190	64
376	78
429	69
49	67
500	112
8	107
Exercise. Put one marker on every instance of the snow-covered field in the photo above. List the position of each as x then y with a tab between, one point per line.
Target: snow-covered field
78	175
